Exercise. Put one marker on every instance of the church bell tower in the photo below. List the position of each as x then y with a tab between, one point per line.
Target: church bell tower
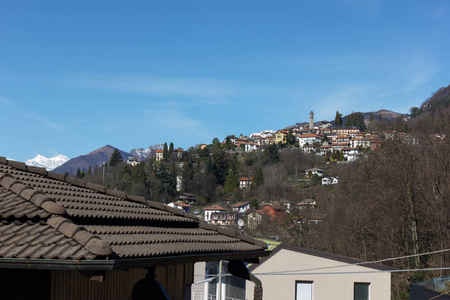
311	120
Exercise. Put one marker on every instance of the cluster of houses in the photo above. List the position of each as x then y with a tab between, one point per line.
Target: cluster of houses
318	138
346	139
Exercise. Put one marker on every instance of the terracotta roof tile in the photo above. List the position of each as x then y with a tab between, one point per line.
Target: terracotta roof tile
49	215
37	240
214	207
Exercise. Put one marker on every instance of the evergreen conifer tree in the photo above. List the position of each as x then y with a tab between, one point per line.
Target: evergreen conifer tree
259	177
138	174
170	149
230	183
165	153
290	139
338	119
116	158
78	173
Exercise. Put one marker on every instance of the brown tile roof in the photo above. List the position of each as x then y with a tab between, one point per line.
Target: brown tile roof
245	179
179	203
214	207
239	204
310	135
45	215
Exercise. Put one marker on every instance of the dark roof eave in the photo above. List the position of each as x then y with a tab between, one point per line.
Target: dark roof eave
180	259
56	264
121	264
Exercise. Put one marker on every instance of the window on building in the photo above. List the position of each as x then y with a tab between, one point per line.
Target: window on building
304	290
361	291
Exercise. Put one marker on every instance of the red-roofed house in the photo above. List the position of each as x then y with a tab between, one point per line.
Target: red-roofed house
159	155
241	207
180	205
245	182
179	152
212	209
274	211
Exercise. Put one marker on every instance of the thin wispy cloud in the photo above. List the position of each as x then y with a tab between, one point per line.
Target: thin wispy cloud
5	102
45	121
159	86
13	111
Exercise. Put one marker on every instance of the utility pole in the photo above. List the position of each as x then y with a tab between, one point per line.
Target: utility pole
220	282
104	170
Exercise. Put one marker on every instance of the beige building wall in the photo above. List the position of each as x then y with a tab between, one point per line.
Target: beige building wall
325	286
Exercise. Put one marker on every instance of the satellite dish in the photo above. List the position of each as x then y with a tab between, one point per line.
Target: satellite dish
240	223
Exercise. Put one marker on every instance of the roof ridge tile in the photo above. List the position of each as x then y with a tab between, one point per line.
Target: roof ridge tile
16	164
226	231
90	242
138	199
96	187
207	226
56	176
37	170
157	205
76	181
116	193
30	194
173	210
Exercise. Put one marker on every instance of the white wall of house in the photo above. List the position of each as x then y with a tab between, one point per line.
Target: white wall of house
241	209
324	286
302	141
251	147
208	214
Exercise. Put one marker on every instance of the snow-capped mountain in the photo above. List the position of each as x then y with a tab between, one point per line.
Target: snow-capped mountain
143	154
48	163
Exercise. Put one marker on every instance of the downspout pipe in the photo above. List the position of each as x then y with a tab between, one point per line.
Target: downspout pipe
238	269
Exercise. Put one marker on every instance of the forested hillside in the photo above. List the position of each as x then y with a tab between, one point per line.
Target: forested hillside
393	202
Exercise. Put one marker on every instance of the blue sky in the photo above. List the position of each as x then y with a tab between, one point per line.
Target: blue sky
77	75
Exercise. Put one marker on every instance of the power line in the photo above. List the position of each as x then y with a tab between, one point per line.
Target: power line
301	271
354	272
366	262
330	273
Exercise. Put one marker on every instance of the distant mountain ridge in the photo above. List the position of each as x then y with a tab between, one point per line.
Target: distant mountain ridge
48	163
382	115
92	159
144	154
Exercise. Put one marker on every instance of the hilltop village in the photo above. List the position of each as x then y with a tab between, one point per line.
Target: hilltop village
328	143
